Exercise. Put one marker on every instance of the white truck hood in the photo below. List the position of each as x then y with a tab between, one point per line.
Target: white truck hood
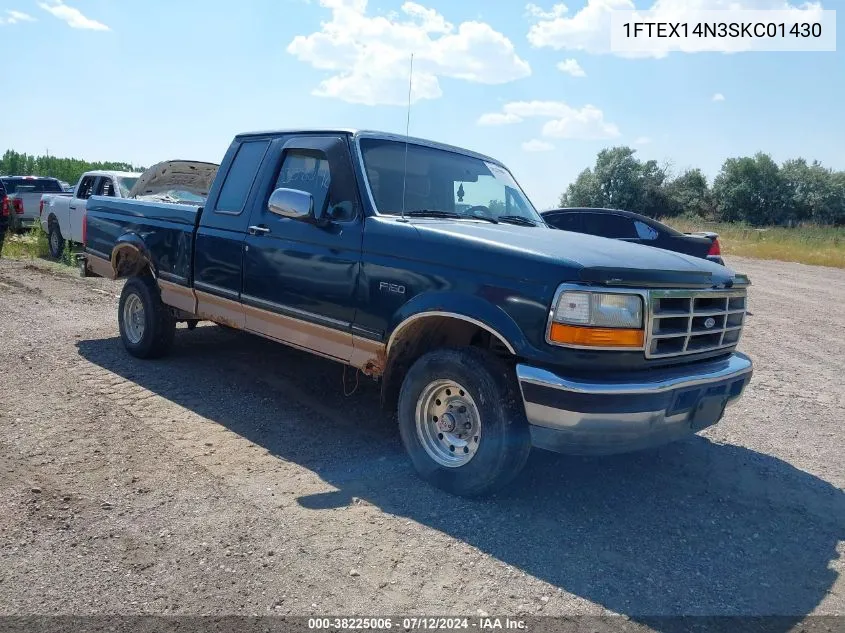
192	176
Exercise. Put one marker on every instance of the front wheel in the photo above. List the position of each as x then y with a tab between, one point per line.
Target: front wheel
147	327
462	423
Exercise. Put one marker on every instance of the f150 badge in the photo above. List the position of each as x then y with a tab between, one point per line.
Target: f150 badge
385	286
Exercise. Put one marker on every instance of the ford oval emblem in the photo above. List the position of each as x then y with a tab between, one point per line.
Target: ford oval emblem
710	322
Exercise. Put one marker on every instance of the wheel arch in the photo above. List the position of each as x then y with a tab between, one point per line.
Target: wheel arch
130	257
445	322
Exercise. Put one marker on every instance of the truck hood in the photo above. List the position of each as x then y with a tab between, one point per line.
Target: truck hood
176	175
596	259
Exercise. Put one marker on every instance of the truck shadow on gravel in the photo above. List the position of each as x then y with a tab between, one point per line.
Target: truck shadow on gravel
691	528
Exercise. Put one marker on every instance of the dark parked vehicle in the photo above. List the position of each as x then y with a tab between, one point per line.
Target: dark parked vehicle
633	227
426	267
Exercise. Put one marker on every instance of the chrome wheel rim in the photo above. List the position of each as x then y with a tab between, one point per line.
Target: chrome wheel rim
54	241
448	423
133	318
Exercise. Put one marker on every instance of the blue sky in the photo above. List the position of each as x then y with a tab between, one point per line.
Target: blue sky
164	79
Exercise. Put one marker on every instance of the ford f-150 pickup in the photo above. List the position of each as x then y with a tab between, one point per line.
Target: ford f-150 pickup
61	214
426	267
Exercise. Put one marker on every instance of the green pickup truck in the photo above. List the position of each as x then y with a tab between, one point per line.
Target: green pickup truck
427	268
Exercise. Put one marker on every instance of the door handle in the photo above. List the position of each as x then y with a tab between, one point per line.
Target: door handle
72	208
258	230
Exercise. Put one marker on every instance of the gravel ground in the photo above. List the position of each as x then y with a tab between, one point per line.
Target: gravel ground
235	477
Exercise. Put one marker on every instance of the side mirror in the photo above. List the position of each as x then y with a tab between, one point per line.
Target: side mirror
291	203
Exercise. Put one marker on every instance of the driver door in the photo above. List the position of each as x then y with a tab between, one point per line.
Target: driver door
300	277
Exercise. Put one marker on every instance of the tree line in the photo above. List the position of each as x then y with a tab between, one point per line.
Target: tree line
751	189
67	169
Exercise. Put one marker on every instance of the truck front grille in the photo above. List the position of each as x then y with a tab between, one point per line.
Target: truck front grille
685	322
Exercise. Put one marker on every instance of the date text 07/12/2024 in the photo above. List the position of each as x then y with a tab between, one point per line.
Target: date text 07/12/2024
482	623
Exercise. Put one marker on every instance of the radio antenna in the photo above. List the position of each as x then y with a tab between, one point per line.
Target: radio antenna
407	131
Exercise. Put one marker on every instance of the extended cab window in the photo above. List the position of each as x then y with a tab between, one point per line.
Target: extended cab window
609	225
241	175
310	170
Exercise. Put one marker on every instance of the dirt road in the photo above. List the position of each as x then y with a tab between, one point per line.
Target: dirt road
236	477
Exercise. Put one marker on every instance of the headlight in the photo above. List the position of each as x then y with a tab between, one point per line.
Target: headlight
597	319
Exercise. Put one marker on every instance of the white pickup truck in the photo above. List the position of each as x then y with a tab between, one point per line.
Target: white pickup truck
61	214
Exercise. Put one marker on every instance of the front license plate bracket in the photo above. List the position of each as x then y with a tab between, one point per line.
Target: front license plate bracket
708	411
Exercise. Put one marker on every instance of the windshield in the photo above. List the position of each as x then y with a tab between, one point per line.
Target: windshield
438	180
126	185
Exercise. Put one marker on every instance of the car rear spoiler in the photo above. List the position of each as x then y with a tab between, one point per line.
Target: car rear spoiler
709	234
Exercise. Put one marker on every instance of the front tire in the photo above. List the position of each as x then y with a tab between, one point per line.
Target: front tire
147	327
462	423
55	240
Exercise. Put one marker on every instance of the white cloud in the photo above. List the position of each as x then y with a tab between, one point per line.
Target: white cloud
74	17
536	145
643	140
13	17
532	10
571	67
589	28
586	124
563	121
718	97
498	118
369	56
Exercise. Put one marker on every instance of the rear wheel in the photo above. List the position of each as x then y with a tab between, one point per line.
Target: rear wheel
55	240
147	327
461	421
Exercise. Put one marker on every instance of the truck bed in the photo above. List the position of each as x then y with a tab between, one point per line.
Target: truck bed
117	222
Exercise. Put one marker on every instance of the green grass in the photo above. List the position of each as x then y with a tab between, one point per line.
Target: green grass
816	245
32	244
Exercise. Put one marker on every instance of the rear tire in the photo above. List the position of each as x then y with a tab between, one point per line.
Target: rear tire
462	421
55	240
147	327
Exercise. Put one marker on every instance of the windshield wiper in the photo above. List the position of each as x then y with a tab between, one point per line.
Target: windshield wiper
433	213
517	219
440	213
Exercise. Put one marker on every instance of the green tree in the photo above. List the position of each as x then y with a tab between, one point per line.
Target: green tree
620	181
690	193
67	169
584	192
815	192
752	189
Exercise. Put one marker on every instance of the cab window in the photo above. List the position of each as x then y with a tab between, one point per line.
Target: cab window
240	177
310	170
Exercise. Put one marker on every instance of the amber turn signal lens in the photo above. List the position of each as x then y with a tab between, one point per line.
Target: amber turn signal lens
596	336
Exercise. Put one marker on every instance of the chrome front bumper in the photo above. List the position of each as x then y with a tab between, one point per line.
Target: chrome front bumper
627	412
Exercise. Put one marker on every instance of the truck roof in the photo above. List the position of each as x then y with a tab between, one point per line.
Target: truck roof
114	174
390	136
